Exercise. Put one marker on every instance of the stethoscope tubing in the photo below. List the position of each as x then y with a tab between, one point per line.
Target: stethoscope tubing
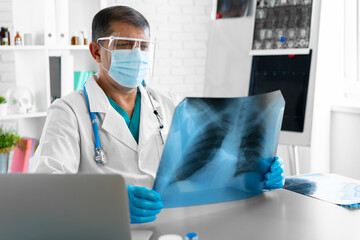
93	122
99	154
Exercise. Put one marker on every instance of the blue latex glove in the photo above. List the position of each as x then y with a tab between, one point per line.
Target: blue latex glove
144	204
274	178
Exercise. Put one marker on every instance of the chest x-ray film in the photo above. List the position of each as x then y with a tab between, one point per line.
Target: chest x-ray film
219	149
332	188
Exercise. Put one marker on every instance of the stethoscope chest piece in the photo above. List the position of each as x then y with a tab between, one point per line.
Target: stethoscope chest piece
100	157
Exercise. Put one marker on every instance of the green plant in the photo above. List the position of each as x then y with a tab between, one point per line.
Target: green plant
2	100
8	140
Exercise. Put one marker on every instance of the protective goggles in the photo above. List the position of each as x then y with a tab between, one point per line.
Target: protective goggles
120	43
117	41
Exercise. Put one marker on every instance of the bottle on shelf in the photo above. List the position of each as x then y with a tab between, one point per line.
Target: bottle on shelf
81	38
27	39
1	34
18	39
85	38
75	39
5	36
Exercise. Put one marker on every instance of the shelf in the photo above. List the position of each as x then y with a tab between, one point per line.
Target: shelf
12	48
76	47
27	48
22	116
296	51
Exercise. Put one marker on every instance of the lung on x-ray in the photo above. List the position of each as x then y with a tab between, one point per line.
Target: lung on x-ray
219	149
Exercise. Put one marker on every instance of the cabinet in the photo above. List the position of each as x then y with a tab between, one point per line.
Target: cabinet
51	24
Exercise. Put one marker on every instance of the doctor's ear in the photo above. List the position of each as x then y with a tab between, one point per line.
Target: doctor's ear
95	51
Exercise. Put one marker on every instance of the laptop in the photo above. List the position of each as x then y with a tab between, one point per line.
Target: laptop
39	206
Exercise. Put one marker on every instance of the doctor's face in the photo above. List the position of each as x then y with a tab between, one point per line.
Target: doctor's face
120	29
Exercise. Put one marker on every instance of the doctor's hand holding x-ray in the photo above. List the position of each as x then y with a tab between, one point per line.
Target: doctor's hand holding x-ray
115	125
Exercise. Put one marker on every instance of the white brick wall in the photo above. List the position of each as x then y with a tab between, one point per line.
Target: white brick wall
181	29
7	65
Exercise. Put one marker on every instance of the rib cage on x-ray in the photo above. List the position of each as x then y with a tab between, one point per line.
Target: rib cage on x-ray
219	149
236	130
251	143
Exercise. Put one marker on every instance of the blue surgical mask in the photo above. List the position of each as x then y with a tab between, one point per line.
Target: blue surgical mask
128	67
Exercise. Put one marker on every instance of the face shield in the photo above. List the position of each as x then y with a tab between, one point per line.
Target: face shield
128	58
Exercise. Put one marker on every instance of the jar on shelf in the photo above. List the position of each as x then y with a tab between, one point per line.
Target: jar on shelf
5	36
75	39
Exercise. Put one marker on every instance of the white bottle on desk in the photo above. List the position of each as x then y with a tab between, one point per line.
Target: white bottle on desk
170	237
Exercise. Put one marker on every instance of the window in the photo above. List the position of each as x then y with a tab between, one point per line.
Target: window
351	49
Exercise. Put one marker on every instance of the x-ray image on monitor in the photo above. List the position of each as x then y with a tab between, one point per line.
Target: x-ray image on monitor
219	149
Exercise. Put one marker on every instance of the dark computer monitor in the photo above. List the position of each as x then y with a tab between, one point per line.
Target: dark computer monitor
290	74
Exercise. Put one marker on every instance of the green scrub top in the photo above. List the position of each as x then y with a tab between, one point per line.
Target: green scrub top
133	123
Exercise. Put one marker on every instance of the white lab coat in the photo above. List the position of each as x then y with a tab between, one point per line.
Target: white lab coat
67	141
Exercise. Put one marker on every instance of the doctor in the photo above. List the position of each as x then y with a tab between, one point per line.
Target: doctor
116	125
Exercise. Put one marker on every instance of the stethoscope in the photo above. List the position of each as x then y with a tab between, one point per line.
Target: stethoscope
100	157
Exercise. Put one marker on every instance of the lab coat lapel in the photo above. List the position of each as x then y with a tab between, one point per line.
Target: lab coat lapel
115	125
149	139
148	122
112	122
97	98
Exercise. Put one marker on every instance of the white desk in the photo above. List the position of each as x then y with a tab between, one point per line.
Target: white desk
278	214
